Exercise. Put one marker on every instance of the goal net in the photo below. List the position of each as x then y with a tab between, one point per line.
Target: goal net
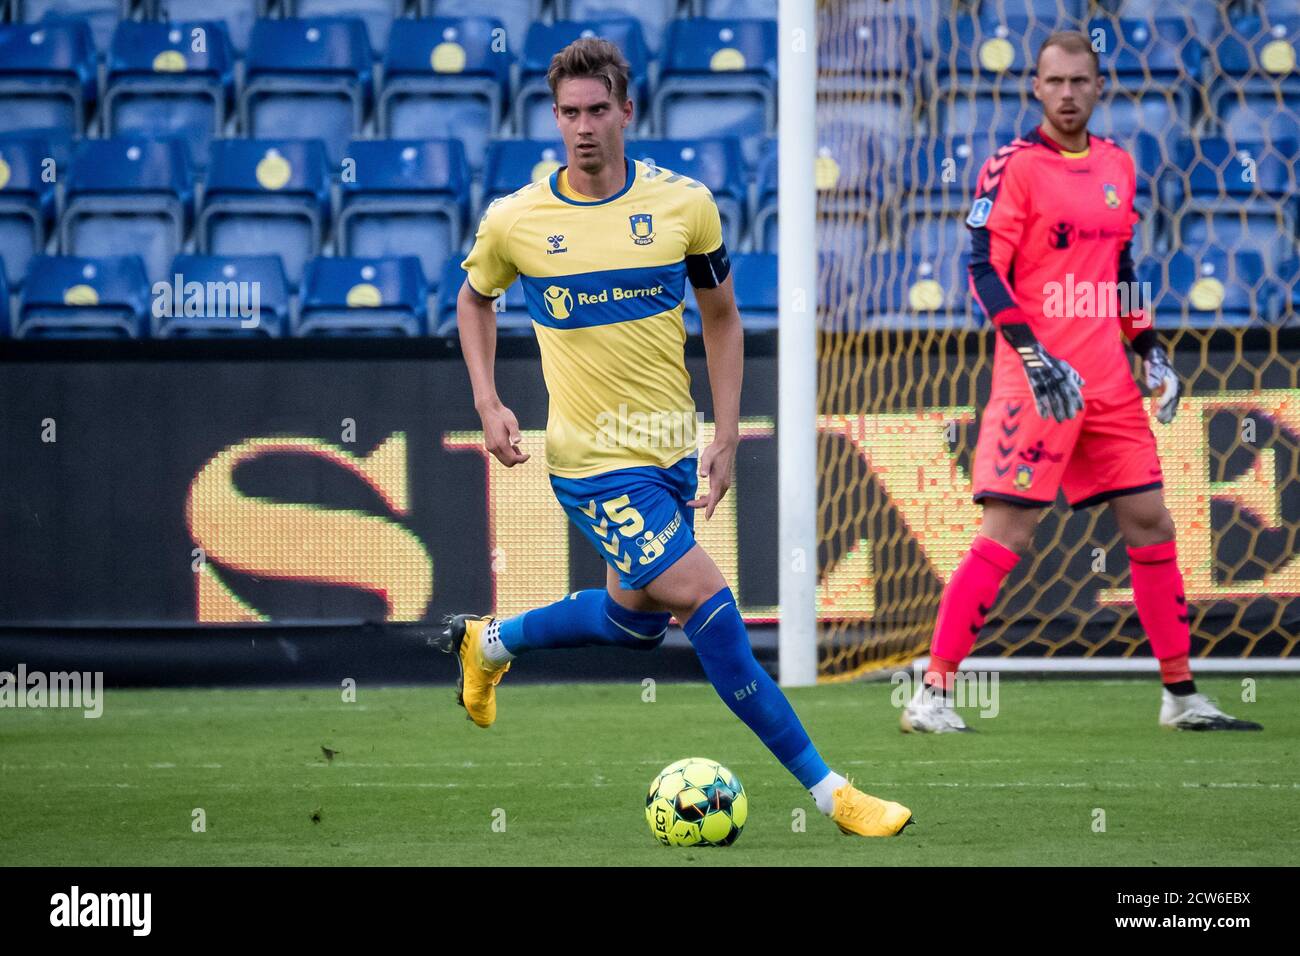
912	96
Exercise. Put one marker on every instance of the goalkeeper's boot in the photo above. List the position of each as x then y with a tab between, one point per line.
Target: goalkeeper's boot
864	815
931	712
476	689
1197	712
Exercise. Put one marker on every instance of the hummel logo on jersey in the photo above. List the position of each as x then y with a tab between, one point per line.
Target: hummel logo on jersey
557	245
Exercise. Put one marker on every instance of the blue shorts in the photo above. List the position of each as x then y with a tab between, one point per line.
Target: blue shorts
637	518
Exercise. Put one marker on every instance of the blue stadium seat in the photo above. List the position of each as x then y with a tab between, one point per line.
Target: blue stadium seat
936	186
1152	68
47	76
516	15
364	297
378	15
733	9
1207	18
238	15
159	86
514	163
755	279
266	197
999	55
1206	288
1061	14
718	79
512	320
897	290
533	115
1235	196
1258	95
101	16
27	195
70	297
223	297
443	78
128	196
879	58
881	55
848	173
653	15
407	197
850	168
714	162
308	79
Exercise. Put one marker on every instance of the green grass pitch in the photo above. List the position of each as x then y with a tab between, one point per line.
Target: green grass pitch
567	766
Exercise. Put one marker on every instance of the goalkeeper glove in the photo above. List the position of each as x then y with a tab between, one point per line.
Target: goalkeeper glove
1161	375
1057	387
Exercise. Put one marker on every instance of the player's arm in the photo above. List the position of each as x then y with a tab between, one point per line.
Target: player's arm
1156	363
708	269
490	271
997	224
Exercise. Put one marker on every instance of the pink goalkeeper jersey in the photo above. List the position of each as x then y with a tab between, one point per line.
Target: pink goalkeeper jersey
1050	232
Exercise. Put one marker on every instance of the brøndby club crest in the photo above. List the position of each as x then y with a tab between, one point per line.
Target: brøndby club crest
643	232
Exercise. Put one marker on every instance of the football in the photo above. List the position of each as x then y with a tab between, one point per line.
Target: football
696	802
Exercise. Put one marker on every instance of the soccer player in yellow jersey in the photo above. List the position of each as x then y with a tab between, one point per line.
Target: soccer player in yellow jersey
604	247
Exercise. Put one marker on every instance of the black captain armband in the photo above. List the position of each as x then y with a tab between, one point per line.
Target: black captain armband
710	269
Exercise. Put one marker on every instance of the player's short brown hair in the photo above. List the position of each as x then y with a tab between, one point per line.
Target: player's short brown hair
1071	41
595	58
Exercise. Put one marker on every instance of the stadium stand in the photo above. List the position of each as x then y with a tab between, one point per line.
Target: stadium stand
260	279
71	297
405	196
266	197
26	205
381	129
160	85
128	196
364	297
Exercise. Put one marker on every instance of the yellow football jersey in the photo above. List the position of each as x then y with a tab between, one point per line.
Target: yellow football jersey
605	282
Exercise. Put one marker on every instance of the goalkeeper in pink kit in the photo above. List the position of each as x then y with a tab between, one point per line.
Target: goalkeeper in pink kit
1051	226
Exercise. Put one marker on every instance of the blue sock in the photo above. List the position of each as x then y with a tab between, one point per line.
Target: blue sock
720	640
584	619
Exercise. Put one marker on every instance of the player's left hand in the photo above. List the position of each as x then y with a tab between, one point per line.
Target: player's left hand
1163	382
716	464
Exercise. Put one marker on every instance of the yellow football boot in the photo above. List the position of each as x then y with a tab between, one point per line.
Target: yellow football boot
476	690
865	815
